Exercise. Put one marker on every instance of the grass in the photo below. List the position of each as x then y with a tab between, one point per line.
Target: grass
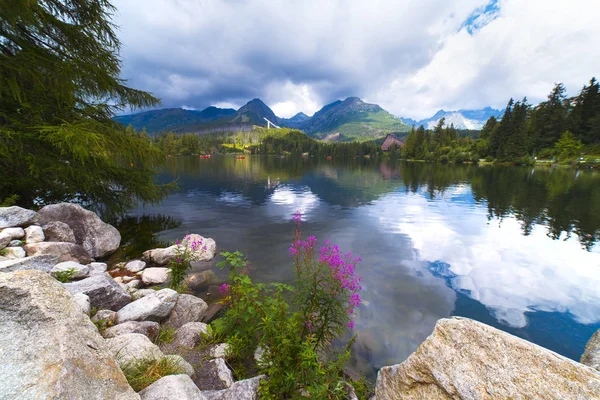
65	276
140	373
166	334
3	252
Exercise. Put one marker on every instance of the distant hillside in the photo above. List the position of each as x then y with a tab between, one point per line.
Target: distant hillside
462	119
172	118
353	119
254	113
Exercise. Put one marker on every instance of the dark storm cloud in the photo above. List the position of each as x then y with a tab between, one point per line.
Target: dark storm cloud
297	56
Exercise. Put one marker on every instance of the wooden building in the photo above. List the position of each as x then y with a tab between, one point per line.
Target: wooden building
391	140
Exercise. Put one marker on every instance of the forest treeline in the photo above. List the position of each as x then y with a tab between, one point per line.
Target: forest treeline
559	128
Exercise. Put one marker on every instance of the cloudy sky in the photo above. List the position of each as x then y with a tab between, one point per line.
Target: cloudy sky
413	57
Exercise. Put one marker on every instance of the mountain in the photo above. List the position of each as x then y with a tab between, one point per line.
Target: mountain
253	113
296	119
462	119
172	118
353	119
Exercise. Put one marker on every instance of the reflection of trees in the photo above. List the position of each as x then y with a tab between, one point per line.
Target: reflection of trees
562	199
139	233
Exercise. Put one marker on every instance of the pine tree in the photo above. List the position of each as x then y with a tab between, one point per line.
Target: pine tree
59	89
584	120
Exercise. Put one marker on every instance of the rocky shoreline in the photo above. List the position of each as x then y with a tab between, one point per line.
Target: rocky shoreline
72	329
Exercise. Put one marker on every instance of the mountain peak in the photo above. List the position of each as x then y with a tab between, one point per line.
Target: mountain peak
353	99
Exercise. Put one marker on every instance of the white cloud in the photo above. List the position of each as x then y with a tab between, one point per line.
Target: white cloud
509	273
411	56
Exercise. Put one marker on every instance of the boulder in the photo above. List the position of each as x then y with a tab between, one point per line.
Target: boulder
15	216
190	335
188	309
138	294
465	359
213	312
178	387
134	284
50	349
15	243
205	252
83	302
133	348
97	268
199	279
57	231
14	252
219	351
146	328
591	355
213	375
103	291
135	266
154	307
79	270
40	263
13	233
155	276
63	250
5	240
184	366
240	390
34	234
98	238
105	318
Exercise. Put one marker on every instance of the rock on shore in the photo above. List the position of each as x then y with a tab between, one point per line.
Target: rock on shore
465	359
50	349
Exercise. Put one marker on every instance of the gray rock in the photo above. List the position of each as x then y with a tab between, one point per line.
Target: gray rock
154	307
196	280
103	291
50	349
213	312
97	268
64	251
205	252
15	243
40	263
219	351
57	231
213	375
13	233
155	276
98	238
34	234
184	366
79	271
83	302
188	309
14	252
135	266
132	348
465	359
146	328
178	387
105	318
190	335
5	240
240	390
134	284
591	355
15	216
138	294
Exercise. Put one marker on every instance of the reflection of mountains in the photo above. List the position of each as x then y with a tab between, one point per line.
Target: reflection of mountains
565	200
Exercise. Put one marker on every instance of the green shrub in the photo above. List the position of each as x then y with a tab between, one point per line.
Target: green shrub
140	373
298	353
65	276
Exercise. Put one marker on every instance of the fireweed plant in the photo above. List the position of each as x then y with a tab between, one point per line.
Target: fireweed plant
188	250
296	337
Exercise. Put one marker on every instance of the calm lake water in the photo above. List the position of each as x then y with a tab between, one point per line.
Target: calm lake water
511	247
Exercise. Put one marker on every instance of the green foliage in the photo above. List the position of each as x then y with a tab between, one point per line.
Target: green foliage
65	276
298	356
567	146
166	334
59	89
140	373
186	251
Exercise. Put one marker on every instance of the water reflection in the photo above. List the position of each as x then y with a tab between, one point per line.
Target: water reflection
512	247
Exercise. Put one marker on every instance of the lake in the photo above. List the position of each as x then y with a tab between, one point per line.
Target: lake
512	247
